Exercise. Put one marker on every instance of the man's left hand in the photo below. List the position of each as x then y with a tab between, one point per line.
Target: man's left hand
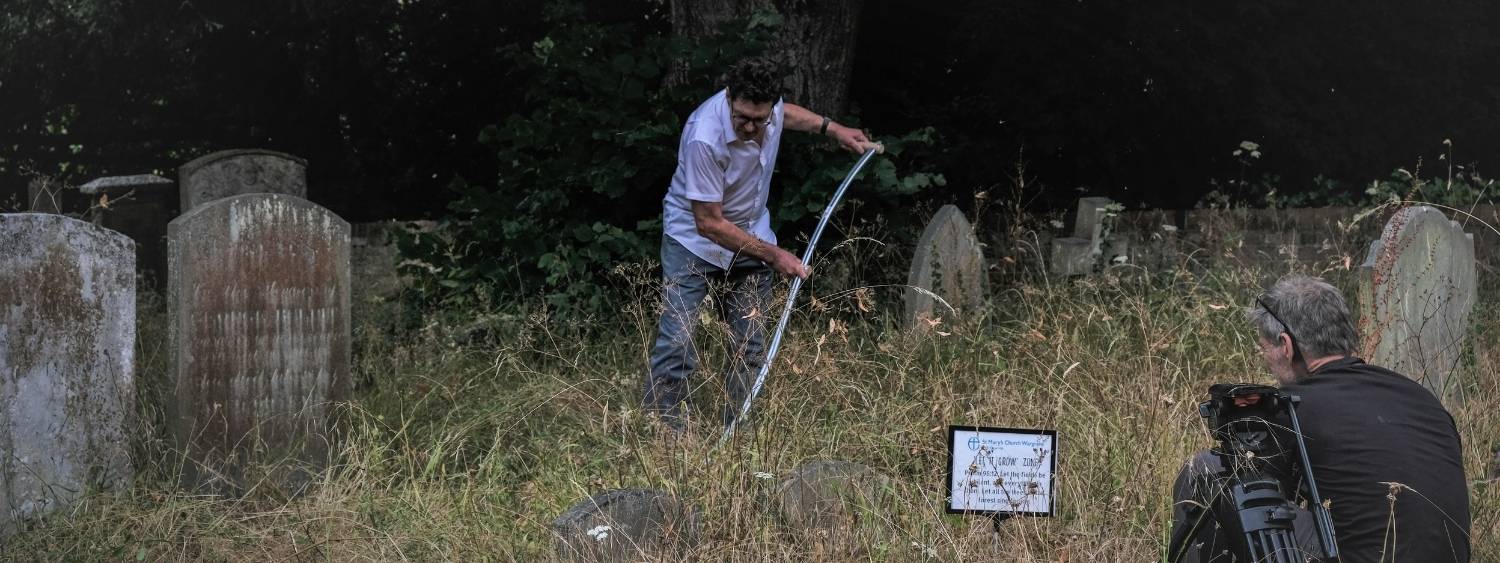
853	140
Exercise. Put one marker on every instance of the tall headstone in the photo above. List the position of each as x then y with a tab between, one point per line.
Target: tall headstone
67	357
237	172
258	303
1089	219
948	263
1417	286
627	525
138	206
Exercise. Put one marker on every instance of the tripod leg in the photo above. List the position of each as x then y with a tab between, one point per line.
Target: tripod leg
1196	538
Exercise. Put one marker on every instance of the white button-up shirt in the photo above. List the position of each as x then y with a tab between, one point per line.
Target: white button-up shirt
713	165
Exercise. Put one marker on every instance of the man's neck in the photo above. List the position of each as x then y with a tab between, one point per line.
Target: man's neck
1313	365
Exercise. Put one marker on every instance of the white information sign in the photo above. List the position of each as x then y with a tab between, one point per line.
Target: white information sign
1004	471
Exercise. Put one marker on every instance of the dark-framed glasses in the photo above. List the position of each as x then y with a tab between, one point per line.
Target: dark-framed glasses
740	120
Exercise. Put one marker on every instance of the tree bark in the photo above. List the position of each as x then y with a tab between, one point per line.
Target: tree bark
816	41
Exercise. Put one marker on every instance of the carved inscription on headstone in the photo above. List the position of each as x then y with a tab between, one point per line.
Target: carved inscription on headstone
1417	286
258	298
237	172
67	356
948	263
627	525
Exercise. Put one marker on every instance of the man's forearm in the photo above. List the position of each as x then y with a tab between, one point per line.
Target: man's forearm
798	118
732	237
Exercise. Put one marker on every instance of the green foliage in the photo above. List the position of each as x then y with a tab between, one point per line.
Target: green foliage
1458	191
584	162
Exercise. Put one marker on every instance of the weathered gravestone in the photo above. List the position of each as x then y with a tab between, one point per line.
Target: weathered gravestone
627	525
838	503
948	263
46	196
238	172
258	303
1417	286
138	206
1077	255
67	353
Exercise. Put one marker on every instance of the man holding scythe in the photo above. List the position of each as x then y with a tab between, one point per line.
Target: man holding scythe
717	231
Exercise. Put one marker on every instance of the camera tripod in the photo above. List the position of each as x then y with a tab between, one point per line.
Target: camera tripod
1245	497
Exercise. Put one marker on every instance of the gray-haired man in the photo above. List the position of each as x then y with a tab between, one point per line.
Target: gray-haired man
1365	427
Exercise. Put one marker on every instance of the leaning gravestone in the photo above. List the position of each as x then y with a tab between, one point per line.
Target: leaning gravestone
949	264
258	303
238	172
836	502
1417	286
67	357
627	525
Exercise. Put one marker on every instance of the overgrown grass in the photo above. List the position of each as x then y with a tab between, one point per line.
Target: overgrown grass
465	444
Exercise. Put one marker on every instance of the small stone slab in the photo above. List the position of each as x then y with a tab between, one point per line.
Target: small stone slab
238	172
67	361
1417	286
948	262
627	525
835	500
258	302
1079	254
1071	256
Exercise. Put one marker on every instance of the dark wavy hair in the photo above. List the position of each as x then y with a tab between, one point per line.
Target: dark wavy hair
757	80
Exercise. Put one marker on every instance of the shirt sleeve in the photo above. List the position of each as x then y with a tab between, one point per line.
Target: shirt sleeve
703	178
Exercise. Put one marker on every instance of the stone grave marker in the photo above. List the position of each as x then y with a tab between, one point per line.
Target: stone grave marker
1417	286
138	206
949	263
258	304
237	172
837	502
627	525
1077	255
67	360
44	195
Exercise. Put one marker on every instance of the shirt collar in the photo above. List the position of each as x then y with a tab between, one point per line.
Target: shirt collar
726	119
1340	363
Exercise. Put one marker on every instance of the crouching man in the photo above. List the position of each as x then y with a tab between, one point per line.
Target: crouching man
1384	453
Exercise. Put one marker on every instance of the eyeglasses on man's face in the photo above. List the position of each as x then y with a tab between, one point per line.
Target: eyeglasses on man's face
741	120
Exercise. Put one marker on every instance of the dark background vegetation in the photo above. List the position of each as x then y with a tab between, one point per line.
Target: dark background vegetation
1143	101
542	131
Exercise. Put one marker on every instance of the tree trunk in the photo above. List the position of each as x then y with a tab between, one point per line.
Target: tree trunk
816	40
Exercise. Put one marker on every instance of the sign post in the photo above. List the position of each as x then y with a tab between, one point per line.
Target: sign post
1001	472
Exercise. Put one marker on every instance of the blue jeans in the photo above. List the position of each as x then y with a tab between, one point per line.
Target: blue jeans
742	293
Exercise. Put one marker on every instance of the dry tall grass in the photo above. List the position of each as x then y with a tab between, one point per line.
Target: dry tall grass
464	445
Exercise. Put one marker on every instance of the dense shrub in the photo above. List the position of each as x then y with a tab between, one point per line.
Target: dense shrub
586	160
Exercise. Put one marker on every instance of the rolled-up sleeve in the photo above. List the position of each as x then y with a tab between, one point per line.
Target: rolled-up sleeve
703	178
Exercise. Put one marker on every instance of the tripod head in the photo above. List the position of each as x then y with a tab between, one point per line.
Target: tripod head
1241	416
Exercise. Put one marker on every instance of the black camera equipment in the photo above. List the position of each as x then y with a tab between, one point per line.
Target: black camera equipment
1247	497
